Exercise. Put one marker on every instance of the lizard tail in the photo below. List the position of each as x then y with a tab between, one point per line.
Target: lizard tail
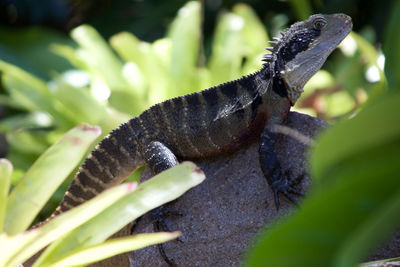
112	160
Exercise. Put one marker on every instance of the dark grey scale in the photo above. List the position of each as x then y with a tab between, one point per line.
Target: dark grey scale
159	157
76	190
183	121
250	85
279	87
89	182
95	170
230	91
298	43
107	163
134	128
198	125
127	138
163	125
71	202
215	129
153	120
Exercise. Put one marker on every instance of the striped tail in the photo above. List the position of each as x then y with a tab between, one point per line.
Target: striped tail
113	160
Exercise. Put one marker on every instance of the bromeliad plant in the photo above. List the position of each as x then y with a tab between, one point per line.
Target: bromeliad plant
113	81
77	236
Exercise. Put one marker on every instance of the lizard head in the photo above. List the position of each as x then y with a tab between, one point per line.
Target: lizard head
303	49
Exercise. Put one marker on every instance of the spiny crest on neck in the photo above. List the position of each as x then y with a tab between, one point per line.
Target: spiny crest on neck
302	50
295	39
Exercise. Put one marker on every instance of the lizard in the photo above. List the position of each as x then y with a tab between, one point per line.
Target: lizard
217	120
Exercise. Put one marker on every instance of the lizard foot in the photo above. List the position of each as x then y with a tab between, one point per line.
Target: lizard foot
158	216
282	185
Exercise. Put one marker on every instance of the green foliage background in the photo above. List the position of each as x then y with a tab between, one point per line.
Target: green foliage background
51	82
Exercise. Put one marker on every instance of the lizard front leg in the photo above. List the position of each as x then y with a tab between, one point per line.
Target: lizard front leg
159	158
271	167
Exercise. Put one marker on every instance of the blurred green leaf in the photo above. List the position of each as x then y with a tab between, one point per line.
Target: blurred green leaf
353	189
321	79
69	53
113	247
228	49
373	126
339	103
302	8
82	106
185	35
5	174
99	57
254	33
370	54
31	92
30	45
391	47
45	176
64	223
255	37
161	189
25	142
131	49
11	245
375	228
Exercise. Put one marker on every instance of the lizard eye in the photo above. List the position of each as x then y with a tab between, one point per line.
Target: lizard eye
319	23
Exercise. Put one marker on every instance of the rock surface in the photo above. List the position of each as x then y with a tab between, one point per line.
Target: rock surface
223	214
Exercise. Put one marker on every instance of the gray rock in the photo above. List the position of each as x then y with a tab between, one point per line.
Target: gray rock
223	214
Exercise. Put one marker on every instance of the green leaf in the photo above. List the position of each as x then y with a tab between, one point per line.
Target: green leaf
254	33
31	46
113	247
254	36
302	8
184	33
99	57
161	189
228	49
131	49
31	92
356	183
67	221
81	104
45	176
11	245
5	174
376	124
376	229
69	53
391	47
339	103
370	54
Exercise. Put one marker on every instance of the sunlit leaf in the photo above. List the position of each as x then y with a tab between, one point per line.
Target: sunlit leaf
228	49
161	189
45	176
5	174
65	222
184	33
113	247
99	57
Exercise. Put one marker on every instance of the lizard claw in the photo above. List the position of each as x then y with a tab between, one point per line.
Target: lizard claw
282	185
158	216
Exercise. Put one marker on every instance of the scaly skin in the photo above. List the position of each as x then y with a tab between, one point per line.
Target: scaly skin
217	120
